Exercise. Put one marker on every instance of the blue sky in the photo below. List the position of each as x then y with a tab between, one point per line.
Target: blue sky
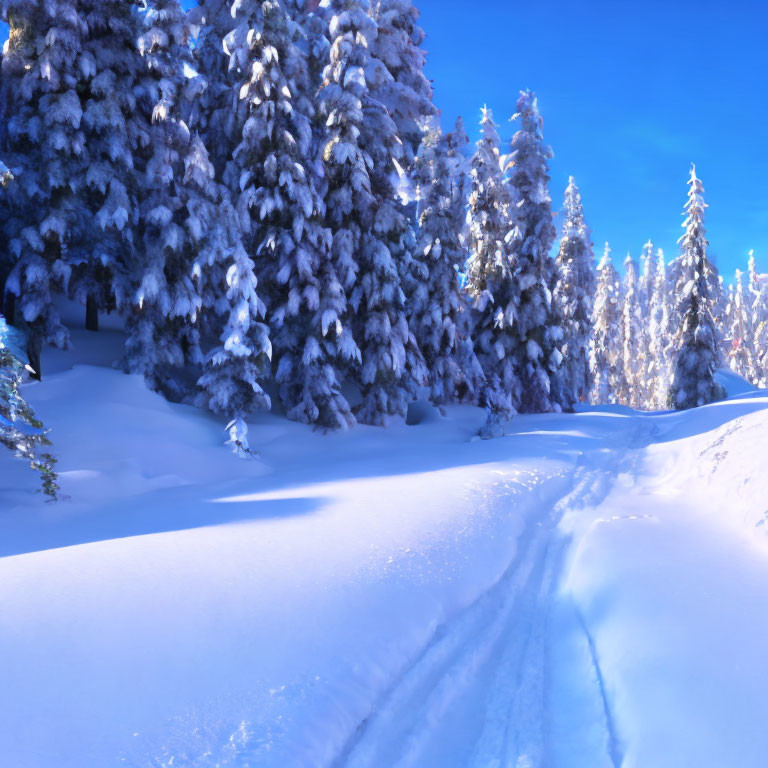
631	94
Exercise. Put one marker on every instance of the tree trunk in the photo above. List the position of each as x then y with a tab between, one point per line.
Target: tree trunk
91	315
9	307
34	346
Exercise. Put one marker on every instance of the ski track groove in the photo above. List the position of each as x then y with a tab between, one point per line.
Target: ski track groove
501	638
615	752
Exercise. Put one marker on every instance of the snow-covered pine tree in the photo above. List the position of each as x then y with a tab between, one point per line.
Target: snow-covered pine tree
406	93
316	40
759	311
647	276
440	321
741	357
490	282
538	326
718	300
645	287
606	351
20	431
43	142
282	207
574	294
222	57
179	208
656	364
217	114
631	338
370	231
233	372
696	341
729	304
116	133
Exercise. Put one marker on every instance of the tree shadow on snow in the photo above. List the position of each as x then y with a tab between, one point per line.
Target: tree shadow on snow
163	511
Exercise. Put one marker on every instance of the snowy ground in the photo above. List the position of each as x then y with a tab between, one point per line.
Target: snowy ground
591	590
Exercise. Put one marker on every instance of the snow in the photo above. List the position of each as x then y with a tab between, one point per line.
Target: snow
588	590
733	383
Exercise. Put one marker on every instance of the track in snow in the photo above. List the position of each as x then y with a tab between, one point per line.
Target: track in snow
478	693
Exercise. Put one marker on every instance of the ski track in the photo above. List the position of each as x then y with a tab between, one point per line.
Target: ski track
614	746
485	670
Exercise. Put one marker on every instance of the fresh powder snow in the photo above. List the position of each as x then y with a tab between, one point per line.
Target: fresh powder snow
587	590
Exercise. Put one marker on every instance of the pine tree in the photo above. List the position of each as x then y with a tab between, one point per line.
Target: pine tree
318	44
403	89
490	282
231	381
647	278
370	231
606	351
178	203
696	341
645	289
440	320
217	114
116	133
537	324
759	316
574	294
20	431
741	357
281	202
43	141
631	332
656	369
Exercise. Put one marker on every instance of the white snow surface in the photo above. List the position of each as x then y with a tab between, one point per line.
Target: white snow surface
589	590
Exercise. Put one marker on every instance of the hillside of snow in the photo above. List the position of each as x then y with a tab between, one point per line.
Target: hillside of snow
589	590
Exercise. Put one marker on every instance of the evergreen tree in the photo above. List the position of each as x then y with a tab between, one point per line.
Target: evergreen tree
20	431
606	351
537	324
758	297
316	36
646	280
656	368
281	202
718	301
116	133
231	380
696	341
404	89
490	282
370	231
645	289
44	143
440	320
631	332
741	357
179	202
574	294
217	114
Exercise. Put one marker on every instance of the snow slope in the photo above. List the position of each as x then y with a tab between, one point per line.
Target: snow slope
588	590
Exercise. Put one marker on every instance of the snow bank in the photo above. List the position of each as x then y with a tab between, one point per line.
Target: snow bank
586	591
182	603
670	583
733	383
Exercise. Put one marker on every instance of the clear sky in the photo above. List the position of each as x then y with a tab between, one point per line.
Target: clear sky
631	93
